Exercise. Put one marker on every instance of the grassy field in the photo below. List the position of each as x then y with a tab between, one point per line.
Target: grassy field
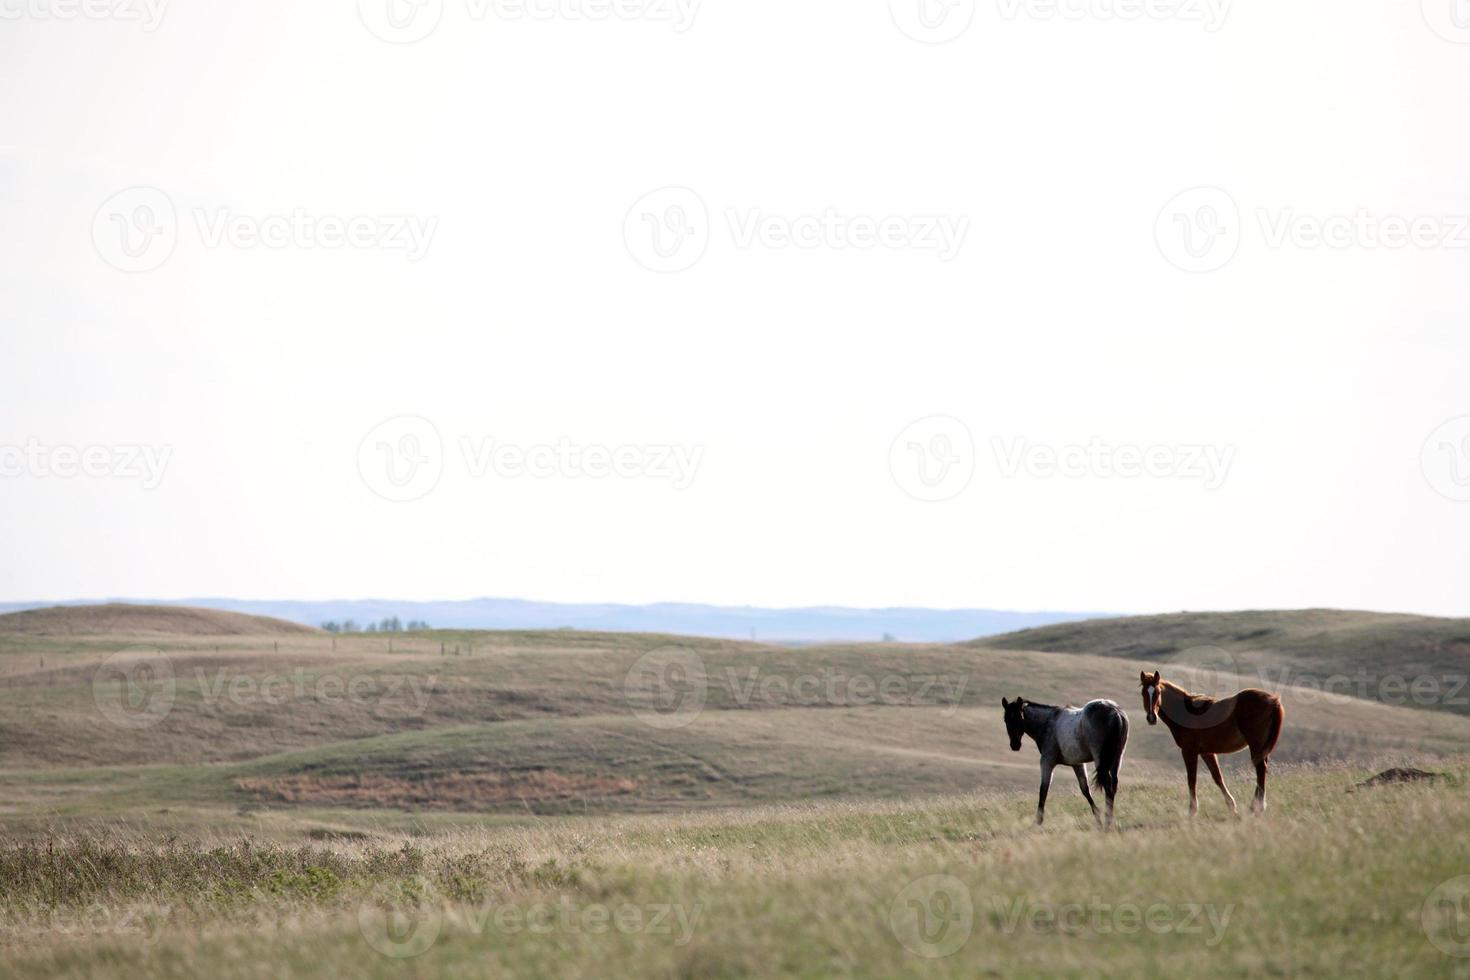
1332	882
278	802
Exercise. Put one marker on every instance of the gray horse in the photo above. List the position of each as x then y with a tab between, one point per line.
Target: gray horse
1096	732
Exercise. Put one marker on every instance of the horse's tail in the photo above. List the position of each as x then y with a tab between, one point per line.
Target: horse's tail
1273	731
1110	757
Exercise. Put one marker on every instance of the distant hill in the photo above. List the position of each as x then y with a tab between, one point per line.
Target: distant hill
120	619
1378	656
808	625
570	723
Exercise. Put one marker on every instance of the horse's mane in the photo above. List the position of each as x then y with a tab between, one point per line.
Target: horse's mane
1194	703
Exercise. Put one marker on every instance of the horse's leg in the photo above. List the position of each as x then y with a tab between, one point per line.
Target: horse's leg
1081	772
1046	768
1191	769
1258	803
1214	765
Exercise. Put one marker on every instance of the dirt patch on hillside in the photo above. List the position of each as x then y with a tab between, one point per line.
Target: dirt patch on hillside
121	619
459	791
1391	777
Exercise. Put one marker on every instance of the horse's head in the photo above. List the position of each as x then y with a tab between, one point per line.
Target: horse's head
1015	721
1153	695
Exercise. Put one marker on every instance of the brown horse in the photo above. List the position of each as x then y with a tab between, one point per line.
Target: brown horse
1203	728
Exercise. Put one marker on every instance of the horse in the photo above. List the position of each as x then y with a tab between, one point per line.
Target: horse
1096	732
1204	727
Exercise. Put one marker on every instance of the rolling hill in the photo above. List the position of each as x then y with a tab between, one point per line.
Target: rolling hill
271	732
1409	661
804	625
123	620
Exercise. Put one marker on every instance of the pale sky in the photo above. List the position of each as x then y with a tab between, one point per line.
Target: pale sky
752	302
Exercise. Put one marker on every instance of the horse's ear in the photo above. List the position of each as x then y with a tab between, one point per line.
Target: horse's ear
1156	677
1004	703
1143	677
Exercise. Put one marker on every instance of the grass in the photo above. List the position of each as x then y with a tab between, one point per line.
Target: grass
1330	882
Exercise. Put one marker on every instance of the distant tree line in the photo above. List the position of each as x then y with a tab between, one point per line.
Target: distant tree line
389	624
